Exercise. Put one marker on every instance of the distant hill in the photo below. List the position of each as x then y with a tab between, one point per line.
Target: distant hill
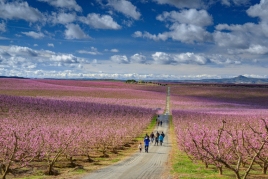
12	77
236	80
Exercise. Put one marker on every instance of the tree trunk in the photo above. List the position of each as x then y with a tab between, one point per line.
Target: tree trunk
50	169
264	169
89	159
237	176
206	164
220	170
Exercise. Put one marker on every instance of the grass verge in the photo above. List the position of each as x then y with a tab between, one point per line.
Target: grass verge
181	167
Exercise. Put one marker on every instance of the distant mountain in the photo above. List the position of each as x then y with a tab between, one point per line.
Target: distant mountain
12	77
238	80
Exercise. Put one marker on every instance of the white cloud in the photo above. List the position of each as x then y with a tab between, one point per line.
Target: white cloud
73	31
93	51
187	26
138	58
125	7
190	58
2	27
121	59
162	58
66	58
247	38
259	10
35	45
35	35
235	2
19	51
195	59
63	18
50	45
114	50
66	4
19	10
252	49
231	40
100	21
21	58
180	32
191	16
219	59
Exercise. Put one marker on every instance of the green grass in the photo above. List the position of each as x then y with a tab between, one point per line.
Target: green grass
148	130
184	168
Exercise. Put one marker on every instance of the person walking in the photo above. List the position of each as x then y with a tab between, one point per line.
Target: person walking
140	147
162	134
156	138
161	138
161	123
146	135
146	144
152	137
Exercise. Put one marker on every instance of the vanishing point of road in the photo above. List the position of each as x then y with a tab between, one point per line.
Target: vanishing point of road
151	165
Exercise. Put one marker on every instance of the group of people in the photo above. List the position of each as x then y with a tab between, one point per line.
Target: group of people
157	138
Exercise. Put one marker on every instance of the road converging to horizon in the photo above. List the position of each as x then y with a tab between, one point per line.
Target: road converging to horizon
151	165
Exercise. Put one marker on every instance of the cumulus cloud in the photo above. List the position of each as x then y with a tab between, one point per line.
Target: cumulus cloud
74	31
35	35
18	51
246	38
191	16
121	59
66	58
19	10
114	50
62	18
186	33
66	4
125	7
2	27
100	21
138	58
259	10
21	58
92	51
252	49
194	59
187	26
219	59
191	58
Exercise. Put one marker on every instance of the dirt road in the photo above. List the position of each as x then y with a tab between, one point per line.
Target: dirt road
142	165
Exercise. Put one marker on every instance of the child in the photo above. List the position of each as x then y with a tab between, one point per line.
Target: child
140	147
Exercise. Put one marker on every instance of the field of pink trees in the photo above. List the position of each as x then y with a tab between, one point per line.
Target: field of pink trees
45	120
224	127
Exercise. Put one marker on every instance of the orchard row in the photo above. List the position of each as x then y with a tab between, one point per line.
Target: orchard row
38	129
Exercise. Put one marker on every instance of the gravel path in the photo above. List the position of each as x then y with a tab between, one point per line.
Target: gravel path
142	165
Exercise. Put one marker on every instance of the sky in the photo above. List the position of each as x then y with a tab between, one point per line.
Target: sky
127	39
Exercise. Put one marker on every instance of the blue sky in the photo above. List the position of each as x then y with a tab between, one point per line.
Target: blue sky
127	39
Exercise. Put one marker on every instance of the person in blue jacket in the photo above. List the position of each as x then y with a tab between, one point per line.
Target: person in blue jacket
161	138
146	144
